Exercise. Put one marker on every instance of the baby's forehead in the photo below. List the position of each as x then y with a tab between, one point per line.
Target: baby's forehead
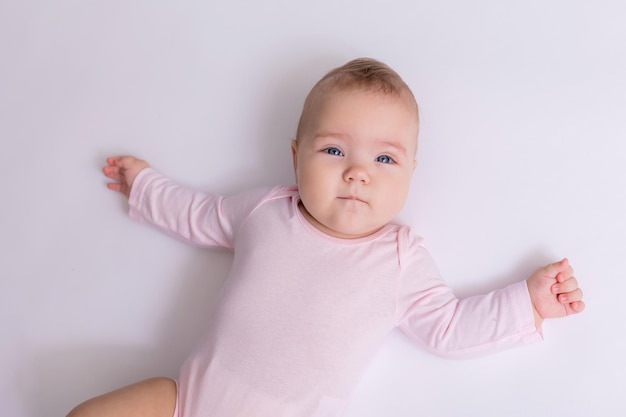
401	105
404	97
314	109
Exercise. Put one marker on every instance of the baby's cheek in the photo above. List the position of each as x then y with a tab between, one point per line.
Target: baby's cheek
396	202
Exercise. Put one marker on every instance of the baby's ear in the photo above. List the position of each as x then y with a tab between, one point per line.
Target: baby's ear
294	155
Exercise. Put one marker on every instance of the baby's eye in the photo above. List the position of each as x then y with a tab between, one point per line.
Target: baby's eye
333	151
385	159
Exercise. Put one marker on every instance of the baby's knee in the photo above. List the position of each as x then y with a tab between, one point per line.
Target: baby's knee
81	410
153	397
89	408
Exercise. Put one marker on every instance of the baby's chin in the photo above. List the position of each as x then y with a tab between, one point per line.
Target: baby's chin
342	228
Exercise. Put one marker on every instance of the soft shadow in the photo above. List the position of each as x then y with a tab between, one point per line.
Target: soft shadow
190	310
291	82
55	381
520	271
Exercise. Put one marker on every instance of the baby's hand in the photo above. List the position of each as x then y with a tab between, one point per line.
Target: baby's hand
554	291
123	170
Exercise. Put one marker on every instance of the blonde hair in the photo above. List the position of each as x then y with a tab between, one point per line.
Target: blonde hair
364	74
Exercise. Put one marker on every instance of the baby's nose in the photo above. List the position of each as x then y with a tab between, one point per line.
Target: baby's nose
356	173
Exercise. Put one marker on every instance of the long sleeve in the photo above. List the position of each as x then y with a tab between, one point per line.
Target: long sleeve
432	316
200	218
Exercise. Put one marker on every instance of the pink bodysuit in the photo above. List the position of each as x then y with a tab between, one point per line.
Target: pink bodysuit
302	313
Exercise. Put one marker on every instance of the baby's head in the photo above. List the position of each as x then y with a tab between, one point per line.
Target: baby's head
362	74
354	152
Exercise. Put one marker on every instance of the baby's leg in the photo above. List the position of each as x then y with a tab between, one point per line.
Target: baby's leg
154	397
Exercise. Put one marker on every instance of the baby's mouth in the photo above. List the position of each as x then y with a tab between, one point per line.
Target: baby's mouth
351	197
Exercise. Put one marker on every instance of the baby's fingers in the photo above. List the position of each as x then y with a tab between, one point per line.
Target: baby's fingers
565	286
122	161
116	186
114	172
577	306
123	170
571	297
565	274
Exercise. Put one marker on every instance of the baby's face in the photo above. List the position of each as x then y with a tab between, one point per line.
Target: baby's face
354	164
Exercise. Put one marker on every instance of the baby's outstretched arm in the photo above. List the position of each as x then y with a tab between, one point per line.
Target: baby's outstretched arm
123	170
554	291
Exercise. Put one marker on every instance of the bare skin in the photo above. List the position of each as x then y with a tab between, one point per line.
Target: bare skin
155	397
123	170
554	292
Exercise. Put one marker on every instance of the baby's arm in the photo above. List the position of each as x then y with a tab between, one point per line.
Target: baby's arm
204	219
433	316
123	170
554	292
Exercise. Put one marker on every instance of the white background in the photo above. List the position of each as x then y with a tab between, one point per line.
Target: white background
521	162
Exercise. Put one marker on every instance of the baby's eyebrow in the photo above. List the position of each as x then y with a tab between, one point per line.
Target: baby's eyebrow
325	135
397	146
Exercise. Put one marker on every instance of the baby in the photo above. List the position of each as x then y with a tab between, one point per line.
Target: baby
321	274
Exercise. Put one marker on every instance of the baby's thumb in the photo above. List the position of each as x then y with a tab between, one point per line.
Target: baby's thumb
554	268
